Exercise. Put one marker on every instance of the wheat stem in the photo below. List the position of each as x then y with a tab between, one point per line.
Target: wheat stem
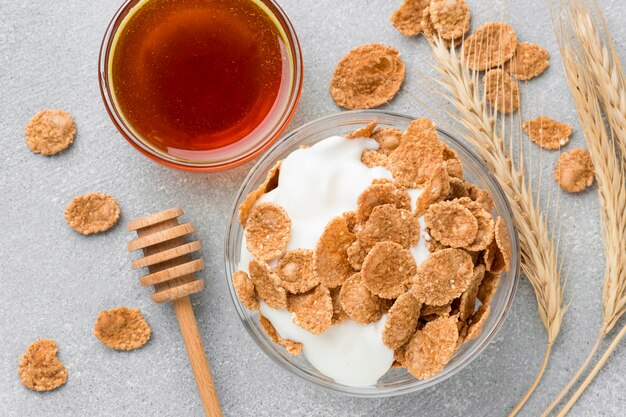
575	378
593	372
530	391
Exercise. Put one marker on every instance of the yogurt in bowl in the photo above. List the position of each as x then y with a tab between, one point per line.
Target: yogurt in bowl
324	179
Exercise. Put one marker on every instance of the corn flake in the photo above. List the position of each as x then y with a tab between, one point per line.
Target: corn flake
358	302
377	195
267	284
39	368
450	18
501	91
477	322
488	287
388	139
442	277
268	231
387	223
574	170
408	17
529	61
122	328
330	260
50	131
430	349
313	310
547	132
387	269
401	321
451	223
295	271
245	290
364	132
92	213
485	233
437	189
490	46
468	298
271	182
292	347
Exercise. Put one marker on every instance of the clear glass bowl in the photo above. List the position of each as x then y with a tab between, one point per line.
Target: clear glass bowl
238	152
396	381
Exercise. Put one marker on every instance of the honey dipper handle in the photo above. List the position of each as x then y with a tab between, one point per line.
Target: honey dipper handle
197	357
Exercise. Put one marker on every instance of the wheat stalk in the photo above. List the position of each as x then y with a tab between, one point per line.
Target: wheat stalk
459	86
595	75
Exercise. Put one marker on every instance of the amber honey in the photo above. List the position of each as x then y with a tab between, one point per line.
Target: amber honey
190	76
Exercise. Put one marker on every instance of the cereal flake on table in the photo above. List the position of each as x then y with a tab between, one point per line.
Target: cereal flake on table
574	170
92	213
548	133
501	91
39	368
529	61
122	328
50	131
490	46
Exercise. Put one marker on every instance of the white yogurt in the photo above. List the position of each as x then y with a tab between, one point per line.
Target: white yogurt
315	185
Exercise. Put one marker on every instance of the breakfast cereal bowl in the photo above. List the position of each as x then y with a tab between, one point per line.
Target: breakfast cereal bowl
394	381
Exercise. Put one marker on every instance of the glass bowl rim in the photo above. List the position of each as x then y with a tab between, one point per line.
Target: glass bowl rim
269	137
462	362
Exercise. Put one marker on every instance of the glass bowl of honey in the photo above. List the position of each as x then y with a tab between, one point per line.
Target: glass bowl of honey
200	85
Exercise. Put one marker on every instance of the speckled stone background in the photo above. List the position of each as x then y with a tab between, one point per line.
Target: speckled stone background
54	281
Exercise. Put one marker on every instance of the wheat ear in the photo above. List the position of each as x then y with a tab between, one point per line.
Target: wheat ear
458	84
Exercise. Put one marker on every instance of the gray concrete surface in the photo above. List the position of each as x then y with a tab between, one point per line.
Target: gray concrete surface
54	281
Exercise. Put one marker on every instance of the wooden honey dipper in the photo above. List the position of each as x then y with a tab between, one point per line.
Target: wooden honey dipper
172	272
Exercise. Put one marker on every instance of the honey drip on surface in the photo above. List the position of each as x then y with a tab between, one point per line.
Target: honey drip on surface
196	75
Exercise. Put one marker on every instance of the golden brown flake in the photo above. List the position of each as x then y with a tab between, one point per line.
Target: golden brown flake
295	270
358	302
451	18
313	310
39	368
50	131
387	269
484	235
458	189
477	322
271	182
338	314
245	290
430	349
437	189
292	347
468	298
268	231
372	158
547	132
92	213
401	321
498	254
267	284
377	195
388	139
574	170
408	17
387	223
356	255
122	328
435	311
442	277
490	46
529	61
364	132
454	168
502	91
488	287
350	217
451	223
368	76
428	29
481	196
434	245
419	153
331	264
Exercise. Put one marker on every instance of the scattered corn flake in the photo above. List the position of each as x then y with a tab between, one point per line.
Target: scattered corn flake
50	131
480	196
468	298
270	182
490	46
419	153
408	17
245	290
313	310
451	223
388	139
268	231
485	233
356	255
547	132
437	189
39	368
430	349
358	302
574	170
477	322
458	189
295	271
401	321
377	195
488	287
501	91
387	269
528	62
330	260
372	158
387	223
368	76
338	314
292	347
450	18
364	132
92	213
122	328
442	277
267	284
